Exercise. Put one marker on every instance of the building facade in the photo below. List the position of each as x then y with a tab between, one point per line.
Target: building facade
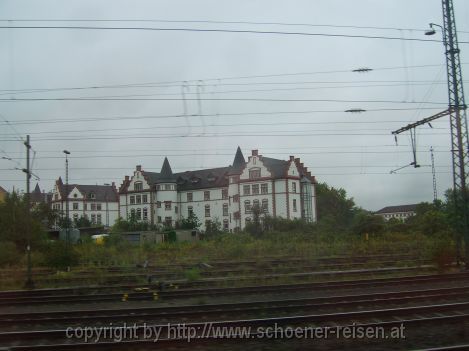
226	194
400	212
97	203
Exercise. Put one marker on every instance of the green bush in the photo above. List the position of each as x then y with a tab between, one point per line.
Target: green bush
9	255
192	274
60	256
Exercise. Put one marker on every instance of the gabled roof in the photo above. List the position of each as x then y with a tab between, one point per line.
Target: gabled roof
278	168
101	192
399	208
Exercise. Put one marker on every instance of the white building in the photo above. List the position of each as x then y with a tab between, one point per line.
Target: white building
98	203
401	212
227	194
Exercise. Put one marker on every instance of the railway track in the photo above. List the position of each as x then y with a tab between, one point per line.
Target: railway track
91	317
430	315
141	293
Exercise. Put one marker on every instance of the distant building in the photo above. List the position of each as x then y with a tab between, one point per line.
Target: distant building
37	197
401	212
98	203
3	194
279	188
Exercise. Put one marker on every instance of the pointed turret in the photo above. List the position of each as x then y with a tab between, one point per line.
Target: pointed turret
239	161
37	189
166	174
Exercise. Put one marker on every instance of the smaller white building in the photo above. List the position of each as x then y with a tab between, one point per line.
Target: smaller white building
98	203
401	212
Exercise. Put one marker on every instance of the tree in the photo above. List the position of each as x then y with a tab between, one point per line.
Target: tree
191	222
255	227
213	228
366	223
16	223
333	206
82	222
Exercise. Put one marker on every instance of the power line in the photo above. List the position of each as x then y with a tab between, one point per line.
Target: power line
235	114
217	80
218	99
216	125
234	31
218	22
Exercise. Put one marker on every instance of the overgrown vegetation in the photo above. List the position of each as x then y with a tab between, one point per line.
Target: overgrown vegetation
342	229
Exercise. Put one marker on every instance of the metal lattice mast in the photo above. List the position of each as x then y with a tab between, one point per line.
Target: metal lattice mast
458	122
435	193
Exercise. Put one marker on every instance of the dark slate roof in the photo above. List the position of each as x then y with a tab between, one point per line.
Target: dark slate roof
2	190
166	174
101	192
204	178
399	208
239	162
278	168
37	196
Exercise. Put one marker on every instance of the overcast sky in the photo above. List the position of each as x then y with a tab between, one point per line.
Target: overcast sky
286	93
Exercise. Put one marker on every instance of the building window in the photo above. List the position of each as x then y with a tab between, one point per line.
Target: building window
246	189
92	196
168	221
293	187
175	209
93	218
255	189
132	200
254	173
144	199
75	217
145	214
247	206
139	214
248	220
225	209
132	213
98	207
98	219
75	205
138	186
189	197
224	194
264	188
294	205
93	207
159	219
167	205
265	205
255	203
138	199
236	198
167	187
190	211
85	206
158	204
225	225
75	196
207	210
206	195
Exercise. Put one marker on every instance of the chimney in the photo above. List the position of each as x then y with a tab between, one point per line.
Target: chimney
139	168
113	184
126	178
309	174
297	160
255	152
292	158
